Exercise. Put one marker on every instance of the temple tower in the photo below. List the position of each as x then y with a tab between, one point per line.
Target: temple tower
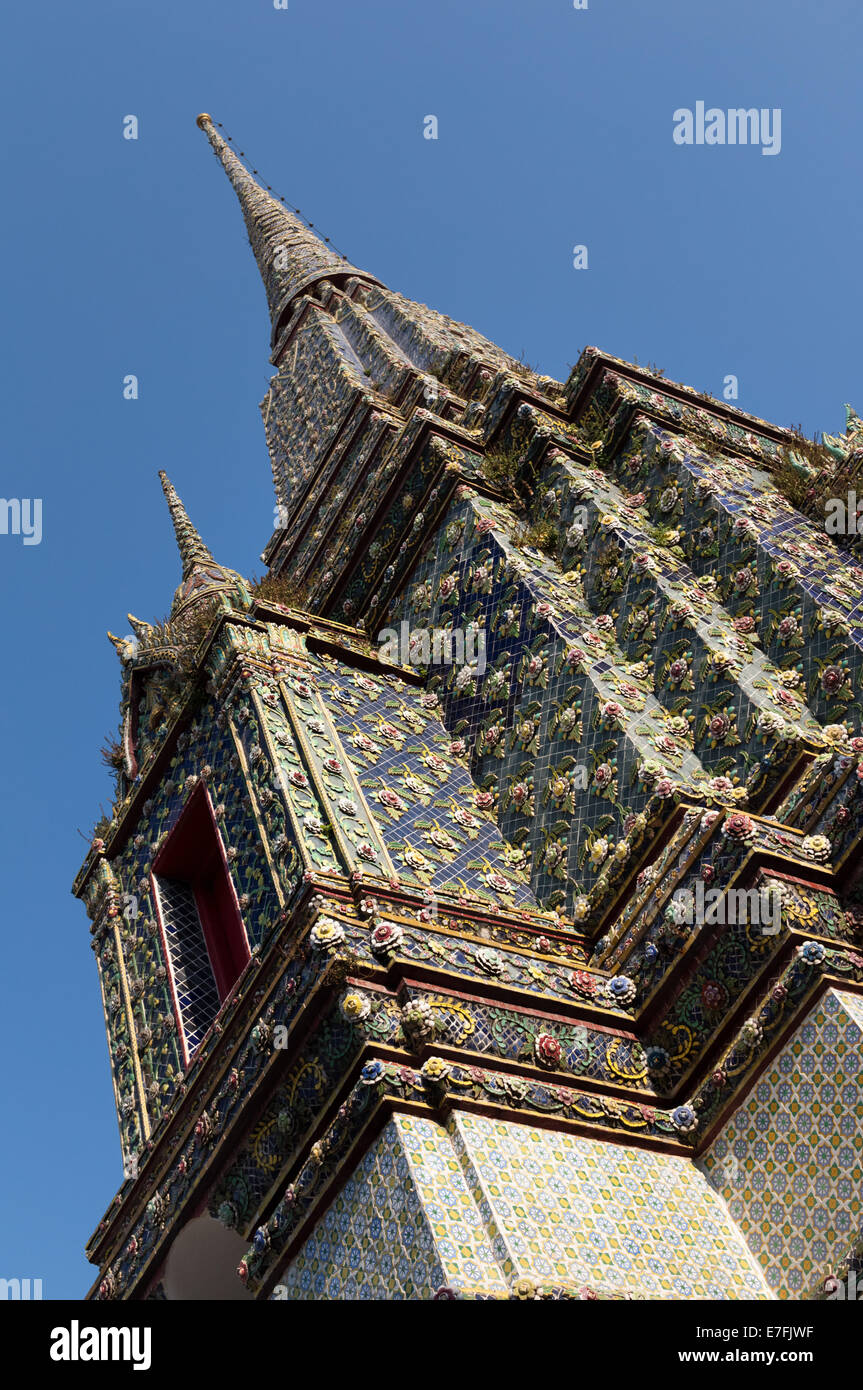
478	913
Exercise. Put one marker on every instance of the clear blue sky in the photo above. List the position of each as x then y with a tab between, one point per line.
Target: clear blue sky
555	129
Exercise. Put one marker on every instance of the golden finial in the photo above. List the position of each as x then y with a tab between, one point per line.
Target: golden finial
203	119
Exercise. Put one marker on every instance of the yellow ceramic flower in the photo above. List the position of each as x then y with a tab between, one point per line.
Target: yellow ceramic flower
355	1006
435	1069
835	735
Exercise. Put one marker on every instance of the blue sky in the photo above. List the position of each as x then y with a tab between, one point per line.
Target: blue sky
555	129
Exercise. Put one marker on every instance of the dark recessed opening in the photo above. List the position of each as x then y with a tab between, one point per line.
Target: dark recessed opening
203	935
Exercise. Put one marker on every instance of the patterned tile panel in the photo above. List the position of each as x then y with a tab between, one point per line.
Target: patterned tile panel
485	1202
607	1215
789	1162
415	780
402	1226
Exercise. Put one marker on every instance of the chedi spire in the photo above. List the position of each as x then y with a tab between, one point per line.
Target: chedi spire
290	256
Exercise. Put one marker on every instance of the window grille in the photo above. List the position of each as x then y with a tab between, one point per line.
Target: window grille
194	981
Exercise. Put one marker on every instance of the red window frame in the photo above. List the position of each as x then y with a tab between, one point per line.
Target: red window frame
193	852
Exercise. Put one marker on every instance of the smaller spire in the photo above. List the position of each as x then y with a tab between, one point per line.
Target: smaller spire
192	549
203	577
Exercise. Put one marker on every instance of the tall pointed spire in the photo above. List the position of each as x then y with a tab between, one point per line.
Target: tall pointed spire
192	549
202	575
290	257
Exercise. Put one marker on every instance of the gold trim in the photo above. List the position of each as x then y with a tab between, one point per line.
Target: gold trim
130	1024
253	801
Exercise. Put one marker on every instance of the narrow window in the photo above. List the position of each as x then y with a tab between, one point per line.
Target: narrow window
203	936
196	995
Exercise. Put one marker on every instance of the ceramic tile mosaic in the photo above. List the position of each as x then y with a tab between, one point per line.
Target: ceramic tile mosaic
614	1217
403	1225
482	1202
789	1162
